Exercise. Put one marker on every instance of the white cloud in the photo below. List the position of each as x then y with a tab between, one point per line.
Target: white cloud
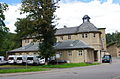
102	15
70	13
11	16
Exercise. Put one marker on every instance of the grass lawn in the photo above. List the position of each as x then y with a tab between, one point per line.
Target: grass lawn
68	65
21	68
32	69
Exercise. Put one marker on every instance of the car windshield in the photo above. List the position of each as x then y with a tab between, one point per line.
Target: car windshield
19	58
30	58
0	59
11	58
106	57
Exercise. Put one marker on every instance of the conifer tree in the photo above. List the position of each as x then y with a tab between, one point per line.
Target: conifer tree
41	16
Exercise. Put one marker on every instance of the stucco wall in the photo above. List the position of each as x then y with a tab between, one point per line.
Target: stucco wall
112	50
26	41
103	37
77	56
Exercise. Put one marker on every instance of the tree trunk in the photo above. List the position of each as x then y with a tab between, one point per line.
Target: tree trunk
46	61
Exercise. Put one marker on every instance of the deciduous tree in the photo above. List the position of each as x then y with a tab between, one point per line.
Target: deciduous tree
3	29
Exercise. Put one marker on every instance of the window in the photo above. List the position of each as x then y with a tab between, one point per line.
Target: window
60	54
69	36
82	35
61	37
86	35
80	53
94	35
69	53
27	41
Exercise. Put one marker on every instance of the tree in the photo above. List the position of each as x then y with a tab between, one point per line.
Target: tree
41	18
3	29
113	38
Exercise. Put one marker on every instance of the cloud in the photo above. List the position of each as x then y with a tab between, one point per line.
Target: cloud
11	16
71	12
105	15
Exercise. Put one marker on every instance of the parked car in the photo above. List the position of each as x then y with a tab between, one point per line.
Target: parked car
41	60
11	59
35	60
57	61
20	59
2	60
107	59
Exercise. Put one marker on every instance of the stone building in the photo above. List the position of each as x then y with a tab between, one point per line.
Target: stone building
114	50
83	43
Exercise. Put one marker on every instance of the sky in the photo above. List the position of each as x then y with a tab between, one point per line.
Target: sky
103	13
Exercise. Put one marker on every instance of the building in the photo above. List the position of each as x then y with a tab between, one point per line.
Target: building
114	50
83	43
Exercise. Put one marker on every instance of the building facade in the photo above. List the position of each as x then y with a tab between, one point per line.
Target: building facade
114	50
84	43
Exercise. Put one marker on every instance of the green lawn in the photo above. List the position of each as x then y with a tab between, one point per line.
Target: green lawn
33	69
68	65
21	68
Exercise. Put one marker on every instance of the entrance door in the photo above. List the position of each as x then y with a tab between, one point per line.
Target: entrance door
95	56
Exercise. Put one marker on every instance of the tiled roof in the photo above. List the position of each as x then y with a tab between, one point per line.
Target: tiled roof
86	26
68	44
29	47
66	30
71	44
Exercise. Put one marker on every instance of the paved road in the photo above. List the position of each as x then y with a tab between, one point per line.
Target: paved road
103	71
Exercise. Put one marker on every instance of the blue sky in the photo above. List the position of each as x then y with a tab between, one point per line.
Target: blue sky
11	1
86	1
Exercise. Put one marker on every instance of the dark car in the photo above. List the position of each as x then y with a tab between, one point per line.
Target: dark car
57	61
107	59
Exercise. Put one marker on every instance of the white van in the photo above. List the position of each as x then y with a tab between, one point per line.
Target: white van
35	60
41	60
20	59
30	59
2	60
11	59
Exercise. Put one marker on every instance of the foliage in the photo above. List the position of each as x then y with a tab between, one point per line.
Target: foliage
68	65
10	42
3	29
23	27
113	38
40	22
